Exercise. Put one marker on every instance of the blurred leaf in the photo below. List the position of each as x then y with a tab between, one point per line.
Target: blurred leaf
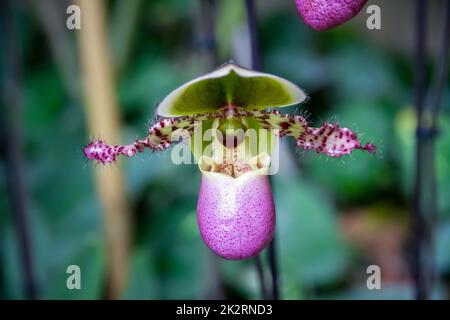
44	98
11	268
169	11
241	278
405	126
230	16
172	237
442	240
363	73
311	250
142	282
148	82
89	256
358	176
387	292
285	53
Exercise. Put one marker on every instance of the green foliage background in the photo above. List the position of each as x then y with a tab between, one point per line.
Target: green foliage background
350	76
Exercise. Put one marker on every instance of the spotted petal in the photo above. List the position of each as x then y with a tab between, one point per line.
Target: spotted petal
329	139
161	135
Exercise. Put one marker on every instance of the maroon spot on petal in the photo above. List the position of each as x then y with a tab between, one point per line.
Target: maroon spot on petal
284	125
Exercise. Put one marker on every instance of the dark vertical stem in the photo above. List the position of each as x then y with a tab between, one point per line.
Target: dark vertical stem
205	35
262	281
421	20
274	269
419	228
256	65
254	38
12	134
441	76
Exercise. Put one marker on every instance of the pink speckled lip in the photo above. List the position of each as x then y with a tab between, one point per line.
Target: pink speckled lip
325	14
236	216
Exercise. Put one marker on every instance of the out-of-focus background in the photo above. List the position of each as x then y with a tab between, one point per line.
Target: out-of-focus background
132	227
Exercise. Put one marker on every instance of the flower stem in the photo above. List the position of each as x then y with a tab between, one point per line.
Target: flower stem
12	137
252	20
427	133
253	29
441	76
419	228
205	35
274	269
425	189
442	68
262	282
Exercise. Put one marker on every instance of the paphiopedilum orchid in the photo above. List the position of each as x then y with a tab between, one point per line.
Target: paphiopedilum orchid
235	210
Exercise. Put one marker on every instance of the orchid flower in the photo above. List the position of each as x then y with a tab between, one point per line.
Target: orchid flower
325	14
235	210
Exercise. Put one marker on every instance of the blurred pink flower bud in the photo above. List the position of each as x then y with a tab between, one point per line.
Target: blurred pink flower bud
322	15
